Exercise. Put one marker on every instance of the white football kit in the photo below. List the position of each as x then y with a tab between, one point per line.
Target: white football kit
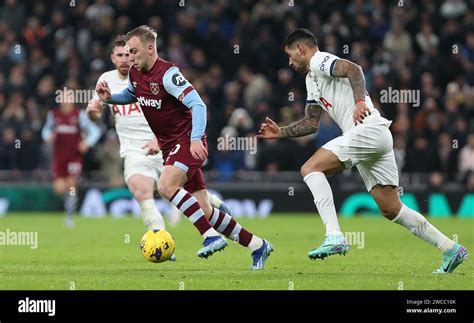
368	146
133	132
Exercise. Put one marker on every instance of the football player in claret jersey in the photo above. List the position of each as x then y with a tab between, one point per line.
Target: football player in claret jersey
63	129
177	116
337	86
143	159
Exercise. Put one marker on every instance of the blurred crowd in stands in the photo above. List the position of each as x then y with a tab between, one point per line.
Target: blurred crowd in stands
231	52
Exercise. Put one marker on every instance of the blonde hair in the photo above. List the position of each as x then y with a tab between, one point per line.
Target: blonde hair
145	33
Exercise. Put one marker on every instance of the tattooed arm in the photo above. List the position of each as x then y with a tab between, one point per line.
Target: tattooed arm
306	126
352	71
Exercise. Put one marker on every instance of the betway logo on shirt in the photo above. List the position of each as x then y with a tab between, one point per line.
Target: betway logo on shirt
152	103
66	129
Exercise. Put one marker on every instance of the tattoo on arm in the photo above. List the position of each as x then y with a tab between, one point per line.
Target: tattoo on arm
308	125
352	71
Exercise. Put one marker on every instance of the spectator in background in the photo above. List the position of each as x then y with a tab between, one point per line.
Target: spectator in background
228	160
428	87
232	53
466	163
420	157
426	39
283	87
176	52
466	157
398	42
14	113
29	150
468	56
241	121
256	87
9	149
446	158
399	149
13	13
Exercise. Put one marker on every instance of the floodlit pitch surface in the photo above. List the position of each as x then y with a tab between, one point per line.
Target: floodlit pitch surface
103	254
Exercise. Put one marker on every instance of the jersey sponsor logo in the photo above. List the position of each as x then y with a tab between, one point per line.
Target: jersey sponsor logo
152	103
322	66
66	129
154	88
126	110
325	103
178	79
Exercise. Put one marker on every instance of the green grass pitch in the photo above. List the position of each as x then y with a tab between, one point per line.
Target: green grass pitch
103	254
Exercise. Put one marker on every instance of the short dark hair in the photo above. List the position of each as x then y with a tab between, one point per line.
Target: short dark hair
119	41
300	34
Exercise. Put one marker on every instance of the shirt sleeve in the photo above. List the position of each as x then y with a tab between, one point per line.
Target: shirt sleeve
176	85
48	126
92	130
127	96
322	63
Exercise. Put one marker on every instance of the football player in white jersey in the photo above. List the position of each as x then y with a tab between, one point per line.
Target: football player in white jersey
337	86
143	161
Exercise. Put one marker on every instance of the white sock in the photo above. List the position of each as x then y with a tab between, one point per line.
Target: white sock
255	243
70	202
419	226
151	216
322	193
174	217
211	232
214	200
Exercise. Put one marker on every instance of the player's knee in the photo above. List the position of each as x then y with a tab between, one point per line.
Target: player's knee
390	211
142	194
309	168
59	187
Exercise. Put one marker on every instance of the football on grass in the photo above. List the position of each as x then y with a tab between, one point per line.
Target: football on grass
157	245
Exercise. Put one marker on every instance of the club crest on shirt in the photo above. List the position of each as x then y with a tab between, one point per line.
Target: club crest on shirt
154	88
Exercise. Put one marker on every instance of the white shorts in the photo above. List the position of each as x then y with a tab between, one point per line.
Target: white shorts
370	149
151	166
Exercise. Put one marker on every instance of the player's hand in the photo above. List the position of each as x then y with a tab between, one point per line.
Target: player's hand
361	111
152	147
269	130
83	147
103	91
94	109
197	149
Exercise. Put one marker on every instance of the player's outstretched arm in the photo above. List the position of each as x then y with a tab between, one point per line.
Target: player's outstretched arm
352	71
306	126
127	95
